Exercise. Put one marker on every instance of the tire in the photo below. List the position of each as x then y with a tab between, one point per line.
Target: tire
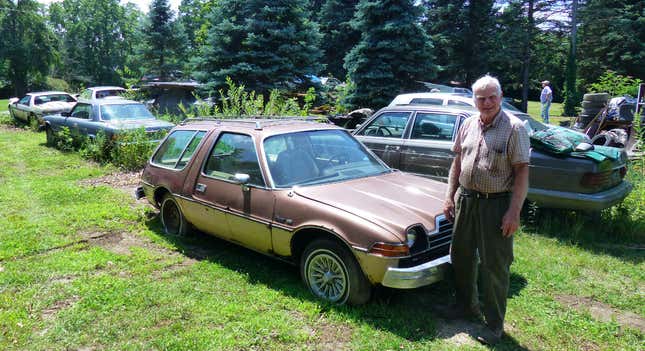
591	113
49	136
331	273
32	122
593	105
596	97
13	116
172	219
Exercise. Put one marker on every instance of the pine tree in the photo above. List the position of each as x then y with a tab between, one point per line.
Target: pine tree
611	37
164	40
394	52
338	35
463	30
258	43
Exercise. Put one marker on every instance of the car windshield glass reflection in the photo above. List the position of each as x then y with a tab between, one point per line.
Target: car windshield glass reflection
125	112
317	157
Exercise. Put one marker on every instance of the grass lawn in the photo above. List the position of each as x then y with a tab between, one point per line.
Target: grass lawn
3	106
83	265
555	113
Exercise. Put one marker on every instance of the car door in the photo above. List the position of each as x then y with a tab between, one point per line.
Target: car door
79	118
21	108
383	134
427	151
248	207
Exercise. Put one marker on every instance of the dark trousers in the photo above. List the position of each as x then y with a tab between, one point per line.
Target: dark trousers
477	230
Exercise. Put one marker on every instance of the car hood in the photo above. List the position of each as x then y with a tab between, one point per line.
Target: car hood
393	201
148	123
55	106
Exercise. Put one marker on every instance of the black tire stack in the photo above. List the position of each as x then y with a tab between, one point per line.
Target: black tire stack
592	104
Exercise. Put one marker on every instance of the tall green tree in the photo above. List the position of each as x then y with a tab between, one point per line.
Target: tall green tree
192	17
164	40
611	37
261	44
26	43
462	29
338	35
394	52
94	39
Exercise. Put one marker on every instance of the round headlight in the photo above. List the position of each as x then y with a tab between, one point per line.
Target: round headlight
412	237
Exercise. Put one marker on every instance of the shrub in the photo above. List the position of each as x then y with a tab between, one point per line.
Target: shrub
97	149
134	148
615	84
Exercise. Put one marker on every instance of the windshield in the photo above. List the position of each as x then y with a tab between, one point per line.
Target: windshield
124	112
317	157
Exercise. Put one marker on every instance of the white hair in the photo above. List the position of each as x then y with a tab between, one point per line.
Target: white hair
487	81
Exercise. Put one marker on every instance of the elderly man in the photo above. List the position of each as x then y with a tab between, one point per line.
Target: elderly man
546	96
489	175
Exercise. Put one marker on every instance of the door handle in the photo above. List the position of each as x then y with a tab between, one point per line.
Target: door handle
200	188
392	148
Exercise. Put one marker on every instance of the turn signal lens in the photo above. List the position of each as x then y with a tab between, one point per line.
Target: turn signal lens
390	250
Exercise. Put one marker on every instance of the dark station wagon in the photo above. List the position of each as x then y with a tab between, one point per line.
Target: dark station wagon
305	192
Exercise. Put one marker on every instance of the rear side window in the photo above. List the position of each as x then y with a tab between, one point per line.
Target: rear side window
433	126
387	125
178	148
426	101
459	103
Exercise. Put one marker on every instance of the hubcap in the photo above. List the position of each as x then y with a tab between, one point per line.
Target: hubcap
327	278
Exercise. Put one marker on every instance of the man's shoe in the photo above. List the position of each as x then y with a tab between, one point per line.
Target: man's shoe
490	337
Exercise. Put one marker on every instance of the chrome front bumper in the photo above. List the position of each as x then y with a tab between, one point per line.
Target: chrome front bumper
414	277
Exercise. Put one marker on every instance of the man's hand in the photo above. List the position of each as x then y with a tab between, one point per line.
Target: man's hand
449	210
510	222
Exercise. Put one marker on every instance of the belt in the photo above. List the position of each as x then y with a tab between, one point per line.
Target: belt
478	195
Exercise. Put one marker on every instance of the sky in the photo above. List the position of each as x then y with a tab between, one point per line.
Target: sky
143	4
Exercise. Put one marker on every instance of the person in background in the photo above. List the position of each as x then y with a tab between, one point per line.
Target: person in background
545	100
489	177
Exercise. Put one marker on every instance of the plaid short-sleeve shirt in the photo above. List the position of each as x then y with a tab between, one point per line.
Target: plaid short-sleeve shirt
488	152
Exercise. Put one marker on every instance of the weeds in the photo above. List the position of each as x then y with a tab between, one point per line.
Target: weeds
129	150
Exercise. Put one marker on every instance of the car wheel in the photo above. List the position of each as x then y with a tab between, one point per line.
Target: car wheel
172	219
331	273
49	135
32	121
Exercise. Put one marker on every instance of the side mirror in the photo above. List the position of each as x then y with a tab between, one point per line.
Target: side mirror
65	114
242	179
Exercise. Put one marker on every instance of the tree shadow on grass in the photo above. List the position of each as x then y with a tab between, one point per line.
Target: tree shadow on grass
410	314
601	233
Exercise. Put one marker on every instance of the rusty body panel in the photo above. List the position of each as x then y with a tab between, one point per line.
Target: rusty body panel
280	221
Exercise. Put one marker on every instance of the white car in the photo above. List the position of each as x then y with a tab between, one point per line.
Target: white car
460	100
33	106
101	92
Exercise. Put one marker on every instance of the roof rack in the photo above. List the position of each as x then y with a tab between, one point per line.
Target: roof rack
259	121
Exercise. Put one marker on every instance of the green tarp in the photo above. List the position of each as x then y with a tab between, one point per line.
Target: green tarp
560	141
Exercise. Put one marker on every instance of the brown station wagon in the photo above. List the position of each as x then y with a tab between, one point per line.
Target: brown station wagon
306	192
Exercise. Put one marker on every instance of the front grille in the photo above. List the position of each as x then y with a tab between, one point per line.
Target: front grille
438	244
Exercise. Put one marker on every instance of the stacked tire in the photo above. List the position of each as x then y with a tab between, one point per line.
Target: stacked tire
592	104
